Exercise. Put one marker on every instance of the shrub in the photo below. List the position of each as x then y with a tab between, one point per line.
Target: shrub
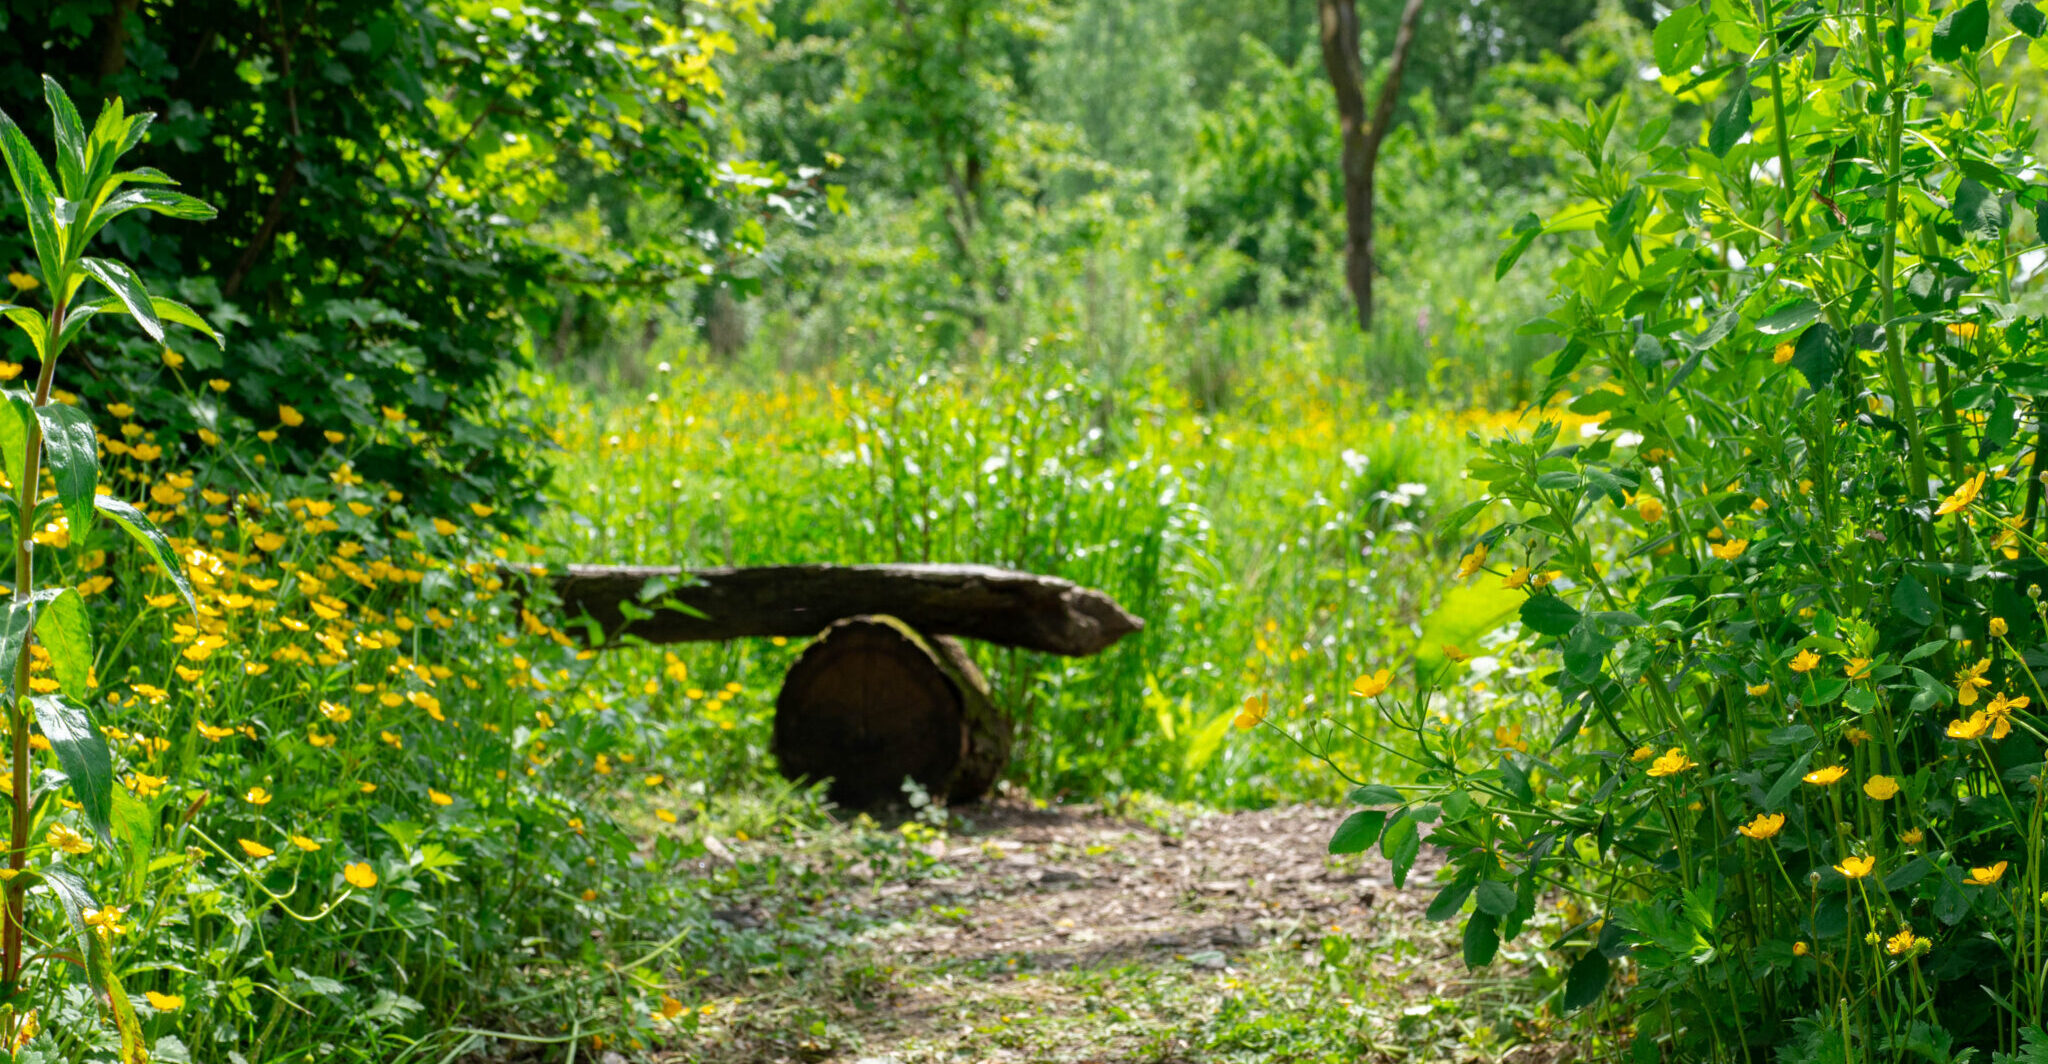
1790	590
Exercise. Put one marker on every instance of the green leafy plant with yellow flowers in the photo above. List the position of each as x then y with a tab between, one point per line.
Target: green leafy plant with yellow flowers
46	639
1787	593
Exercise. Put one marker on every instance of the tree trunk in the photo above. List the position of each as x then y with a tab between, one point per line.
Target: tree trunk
1361	141
669	605
873	701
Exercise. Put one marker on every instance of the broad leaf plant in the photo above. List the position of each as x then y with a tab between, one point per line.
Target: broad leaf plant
46	635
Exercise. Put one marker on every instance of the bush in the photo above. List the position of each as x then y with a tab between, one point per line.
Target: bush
1790	590
386	173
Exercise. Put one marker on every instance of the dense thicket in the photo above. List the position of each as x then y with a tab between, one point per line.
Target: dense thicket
391	175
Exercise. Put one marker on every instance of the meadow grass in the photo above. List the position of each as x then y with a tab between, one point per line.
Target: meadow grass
1273	535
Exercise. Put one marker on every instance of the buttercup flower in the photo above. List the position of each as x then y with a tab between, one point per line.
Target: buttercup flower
255	850
1962	497
1804	661
360	875
1881	788
61	837
1252	712
1372	685
1984	877
1856	867
1763	827
1671	763
1730	550
1822	777
1972	729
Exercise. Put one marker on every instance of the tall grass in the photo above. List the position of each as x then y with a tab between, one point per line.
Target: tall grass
1270	527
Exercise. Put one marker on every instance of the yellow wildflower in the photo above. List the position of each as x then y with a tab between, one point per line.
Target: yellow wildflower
360	875
1763	827
1758	690
1372	684
439	798
1671	763
1858	669
1881	788
1984	877
61	837
1998	628
1912	836
1650	508
1856	867
1252	712
1804	661
1822	777
290	416
163	1002
257	796
1963	496
1730	550
1972	729
255	850
1902	943
1782	353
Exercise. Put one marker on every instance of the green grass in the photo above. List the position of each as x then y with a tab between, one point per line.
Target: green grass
1274	538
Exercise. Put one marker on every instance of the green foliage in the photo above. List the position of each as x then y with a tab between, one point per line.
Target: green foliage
1788	588
388	172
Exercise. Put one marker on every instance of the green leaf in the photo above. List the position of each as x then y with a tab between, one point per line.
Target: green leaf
1374	794
1527	229
1678	42
2027	19
17	621
1549	615
70	131
152	540
180	314
71	451
64	629
1465	613
1496	898
1449	900
19	414
135	829
1730	123
1912	601
100	965
1482	939
129	289
75	899
1400	842
38	196
1818	355
1962	30
1981	211
160	200
1785	317
1358	831
82	750
1587	981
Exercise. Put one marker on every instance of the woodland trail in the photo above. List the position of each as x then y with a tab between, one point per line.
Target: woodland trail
1067	935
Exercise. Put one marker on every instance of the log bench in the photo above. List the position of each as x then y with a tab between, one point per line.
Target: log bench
884	690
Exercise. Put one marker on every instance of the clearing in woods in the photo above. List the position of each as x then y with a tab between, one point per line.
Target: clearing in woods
1073	935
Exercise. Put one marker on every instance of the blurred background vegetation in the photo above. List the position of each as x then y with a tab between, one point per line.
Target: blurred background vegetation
1049	283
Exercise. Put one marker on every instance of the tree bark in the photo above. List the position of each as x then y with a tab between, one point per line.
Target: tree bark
1346	69
976	601
873	701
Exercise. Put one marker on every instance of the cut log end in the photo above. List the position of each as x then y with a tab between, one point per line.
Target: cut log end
873	701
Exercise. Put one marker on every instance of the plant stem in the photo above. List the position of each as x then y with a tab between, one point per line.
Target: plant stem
26	496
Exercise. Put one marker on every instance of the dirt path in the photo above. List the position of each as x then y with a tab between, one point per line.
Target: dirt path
1070	936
